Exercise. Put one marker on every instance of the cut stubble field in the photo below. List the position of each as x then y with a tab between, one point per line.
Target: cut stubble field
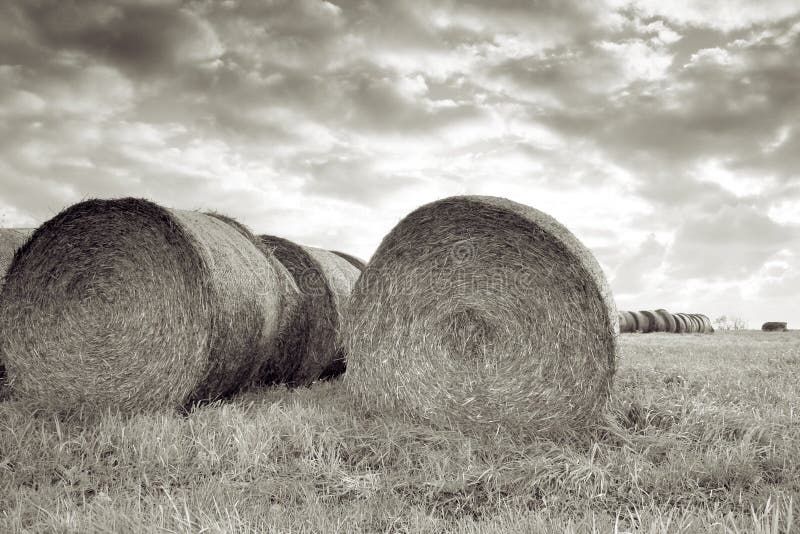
702	435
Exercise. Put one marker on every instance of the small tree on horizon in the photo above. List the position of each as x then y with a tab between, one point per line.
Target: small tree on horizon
725	322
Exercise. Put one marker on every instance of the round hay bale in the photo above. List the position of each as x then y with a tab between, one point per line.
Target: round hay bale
642	322
481	313
630	322
281	362
669	320
698	324
358	263
774	326
325	280
691	324
657	323
125	305
680	324
10	240
621	319
704	323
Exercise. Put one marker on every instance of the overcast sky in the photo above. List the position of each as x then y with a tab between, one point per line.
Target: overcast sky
664	134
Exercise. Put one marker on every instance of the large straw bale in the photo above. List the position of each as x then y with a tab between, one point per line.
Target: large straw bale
774	326
325	280
282	360
482	314
125	305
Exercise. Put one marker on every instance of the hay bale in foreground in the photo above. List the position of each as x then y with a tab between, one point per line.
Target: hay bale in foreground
657	323
358	263
311	346
125	305
642	322
466	317
669	320
774	326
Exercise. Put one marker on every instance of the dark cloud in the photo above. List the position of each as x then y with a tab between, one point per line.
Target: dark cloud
144	38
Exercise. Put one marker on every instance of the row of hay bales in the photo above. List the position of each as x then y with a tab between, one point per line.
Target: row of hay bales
663	321
464	317
124	304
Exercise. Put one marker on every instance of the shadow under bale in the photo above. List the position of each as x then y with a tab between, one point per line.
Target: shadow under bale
128	306
478	313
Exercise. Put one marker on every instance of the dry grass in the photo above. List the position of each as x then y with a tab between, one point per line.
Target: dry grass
477	312
125	305
704	438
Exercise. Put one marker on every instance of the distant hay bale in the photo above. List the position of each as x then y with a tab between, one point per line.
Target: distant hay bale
630	322
10	240
692	327
623	322
698	324
657	323
680	324
669	320
125	305
358	263
705	323
642	322
481	313
312	349
774	326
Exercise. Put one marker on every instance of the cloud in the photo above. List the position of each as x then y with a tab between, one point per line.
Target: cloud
730	242
663	135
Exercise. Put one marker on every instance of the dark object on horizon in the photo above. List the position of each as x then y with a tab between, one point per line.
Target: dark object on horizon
773	326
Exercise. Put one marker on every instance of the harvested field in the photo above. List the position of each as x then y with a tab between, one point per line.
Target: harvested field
703	438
